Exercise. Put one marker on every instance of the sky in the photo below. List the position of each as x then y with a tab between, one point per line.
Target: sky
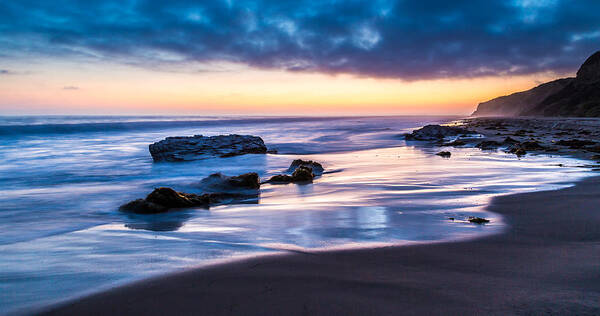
284	56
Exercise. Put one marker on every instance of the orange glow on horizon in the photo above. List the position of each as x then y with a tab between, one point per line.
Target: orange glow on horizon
127	90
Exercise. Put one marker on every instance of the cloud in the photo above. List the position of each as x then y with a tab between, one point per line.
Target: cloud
5	72
70	88
378	38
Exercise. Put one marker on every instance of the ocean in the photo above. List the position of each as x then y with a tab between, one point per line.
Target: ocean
64	177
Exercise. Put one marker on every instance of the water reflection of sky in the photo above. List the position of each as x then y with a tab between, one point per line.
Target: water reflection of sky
60	232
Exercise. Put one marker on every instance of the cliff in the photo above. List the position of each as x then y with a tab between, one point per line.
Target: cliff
579	96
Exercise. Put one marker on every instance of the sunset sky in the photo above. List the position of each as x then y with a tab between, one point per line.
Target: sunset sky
284	57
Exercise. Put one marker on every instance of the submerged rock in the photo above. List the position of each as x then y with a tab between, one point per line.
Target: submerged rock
510	140
478	220
520	149
281	178
436	132
444	154
575	143
488	145
220	182
170	198
519	152
316	167
142	206
595	149
202	147
302	174
164	199
531	145
455	143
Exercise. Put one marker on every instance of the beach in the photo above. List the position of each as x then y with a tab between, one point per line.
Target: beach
300	157
544	260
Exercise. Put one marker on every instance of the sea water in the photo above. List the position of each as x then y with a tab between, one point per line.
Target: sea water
64	177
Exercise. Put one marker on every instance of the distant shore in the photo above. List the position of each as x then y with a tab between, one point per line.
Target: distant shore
546	262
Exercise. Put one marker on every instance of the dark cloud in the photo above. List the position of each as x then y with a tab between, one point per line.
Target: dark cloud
381	38
5	72
70	88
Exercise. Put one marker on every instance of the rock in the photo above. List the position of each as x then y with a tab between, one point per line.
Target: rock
436	132
575	143
596	157
455	143
170	198
522	132
509	140
281	178
444	154
221	182
520	149
141	206
163	199
202	147
478	220
595	149
302	174
519	152
531	145
488	145
316	167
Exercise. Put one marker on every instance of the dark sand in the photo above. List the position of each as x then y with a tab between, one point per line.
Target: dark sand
546	262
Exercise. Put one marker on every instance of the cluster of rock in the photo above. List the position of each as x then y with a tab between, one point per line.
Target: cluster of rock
436	133
163	199
302	171
520	136
221	189
220	182
186	148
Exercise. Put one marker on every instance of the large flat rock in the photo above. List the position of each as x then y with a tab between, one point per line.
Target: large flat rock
186	148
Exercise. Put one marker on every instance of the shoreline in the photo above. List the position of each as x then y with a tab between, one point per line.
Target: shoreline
546	261
239	266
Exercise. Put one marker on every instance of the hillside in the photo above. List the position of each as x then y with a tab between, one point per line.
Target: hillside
579	96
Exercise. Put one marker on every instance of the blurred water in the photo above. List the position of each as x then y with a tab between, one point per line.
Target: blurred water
64	178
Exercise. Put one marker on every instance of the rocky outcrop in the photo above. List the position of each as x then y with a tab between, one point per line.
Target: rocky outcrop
302	174
444	154
316	167
164	199
577	97
202	147
575	143
220	182
303	171
488	145
436	132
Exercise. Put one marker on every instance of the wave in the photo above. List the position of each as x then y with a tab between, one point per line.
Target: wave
121	124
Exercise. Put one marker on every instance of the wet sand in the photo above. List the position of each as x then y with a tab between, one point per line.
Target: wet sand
546	262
